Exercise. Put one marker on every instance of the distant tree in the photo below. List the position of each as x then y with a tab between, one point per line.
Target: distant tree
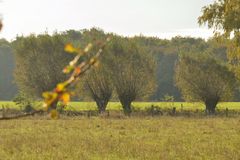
132	71
7	64
39	62
98	81
202	78
218	49
165	80
73	35
100	86
187	45
165	53
76	68
23	102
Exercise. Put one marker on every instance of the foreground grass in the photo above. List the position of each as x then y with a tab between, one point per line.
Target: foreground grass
128	138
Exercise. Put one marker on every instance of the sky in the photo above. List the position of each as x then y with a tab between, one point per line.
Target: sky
158	18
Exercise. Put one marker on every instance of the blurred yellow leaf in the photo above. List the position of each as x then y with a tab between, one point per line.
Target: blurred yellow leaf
65	97
54	114
69	48
68	69
60	87
46	95
92	61
77	70
49	98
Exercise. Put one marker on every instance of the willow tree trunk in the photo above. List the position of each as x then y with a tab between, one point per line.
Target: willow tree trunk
127	107
211	106
102	105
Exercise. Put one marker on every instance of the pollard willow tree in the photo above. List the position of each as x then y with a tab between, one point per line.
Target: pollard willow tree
202	78
39	61
75	69
98	82
61	92
78	66
132	71
100	86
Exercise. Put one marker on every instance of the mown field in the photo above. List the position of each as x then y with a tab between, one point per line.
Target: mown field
81	106
98	138
121	137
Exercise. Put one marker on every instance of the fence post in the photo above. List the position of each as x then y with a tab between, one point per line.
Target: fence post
181	107
174	111
88	114
196	110
226	112
152	110
3	111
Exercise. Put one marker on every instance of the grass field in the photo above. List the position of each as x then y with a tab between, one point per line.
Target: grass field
79	106
120	137
168	138
144	105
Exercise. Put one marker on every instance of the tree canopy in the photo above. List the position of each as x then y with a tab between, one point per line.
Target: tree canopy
39	62
222	15
164	52
132	71
202	78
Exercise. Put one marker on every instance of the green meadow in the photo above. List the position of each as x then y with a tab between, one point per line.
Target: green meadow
83	106
122	137
145	105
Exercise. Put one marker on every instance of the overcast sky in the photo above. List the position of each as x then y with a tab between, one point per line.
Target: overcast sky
161	18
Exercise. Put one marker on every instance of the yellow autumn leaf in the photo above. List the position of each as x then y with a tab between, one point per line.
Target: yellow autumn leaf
68	69
49	98
65	97
69	48
92	61
46	95
60	87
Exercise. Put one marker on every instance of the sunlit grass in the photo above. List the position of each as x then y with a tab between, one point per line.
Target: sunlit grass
144	105
81	106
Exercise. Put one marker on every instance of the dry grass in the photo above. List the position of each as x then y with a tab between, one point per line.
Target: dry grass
127	138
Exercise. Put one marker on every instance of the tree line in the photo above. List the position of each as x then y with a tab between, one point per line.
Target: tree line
137	68
164	52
